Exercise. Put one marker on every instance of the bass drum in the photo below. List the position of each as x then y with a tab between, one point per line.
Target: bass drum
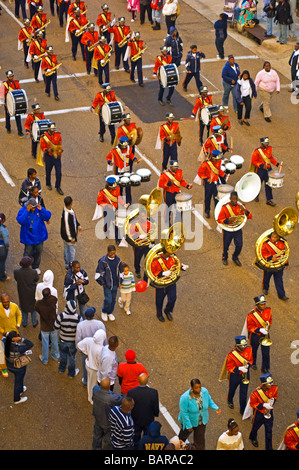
183	202
38	128
112	113
208	112
275	179
16	102
168	75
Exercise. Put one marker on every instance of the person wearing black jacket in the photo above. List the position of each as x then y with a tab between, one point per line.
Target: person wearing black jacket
146	407
69	229
220	27
282	17
174	44
269	9
293	62
193	67
74	286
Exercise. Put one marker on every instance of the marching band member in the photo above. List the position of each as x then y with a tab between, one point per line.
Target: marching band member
25	38
202	101
33	6
103	22
135	48
39	20
125	130
49	63
271	250
161	266
216	141
11	84
63	7
51	145
192	64
169	134
236	369
37	49
262	400
109	199
210	171
261	160
258	322
105	96
102	53
290	438
76	23
163	59
140	229
36	115
221	120
171	182
120	157
74	6
121	35
89	38
229	215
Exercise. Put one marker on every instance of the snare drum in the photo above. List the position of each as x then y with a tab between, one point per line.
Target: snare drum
208	112
124	181
183	202
16	102
135	180
168	75
275	179
38	128
237	160
224	190
112	112
120	217
230	168
144	174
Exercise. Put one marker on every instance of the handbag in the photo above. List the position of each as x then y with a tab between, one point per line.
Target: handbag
83	298
21	361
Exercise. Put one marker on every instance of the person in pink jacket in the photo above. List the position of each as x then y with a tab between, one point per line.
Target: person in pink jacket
267	83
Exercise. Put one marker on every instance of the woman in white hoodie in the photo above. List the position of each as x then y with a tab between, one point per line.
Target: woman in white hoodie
92	348
48	279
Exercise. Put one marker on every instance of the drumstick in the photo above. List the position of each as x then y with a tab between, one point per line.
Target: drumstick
231	143
280	167
186	119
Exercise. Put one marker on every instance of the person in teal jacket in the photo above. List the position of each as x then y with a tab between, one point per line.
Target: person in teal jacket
194	414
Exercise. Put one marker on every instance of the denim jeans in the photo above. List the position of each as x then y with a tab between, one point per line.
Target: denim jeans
269	26
19	381
36	252
3	256
25	318
67	355
69	253
156	15
283	33
227	89
109	299
46	336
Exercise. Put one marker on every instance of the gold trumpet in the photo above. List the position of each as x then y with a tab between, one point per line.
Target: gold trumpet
245	379
40	57
266	341
124	40
138	55
53	70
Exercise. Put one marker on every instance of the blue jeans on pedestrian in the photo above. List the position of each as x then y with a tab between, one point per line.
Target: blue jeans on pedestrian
3	256
69	253
36	252
67	355
25	318
269	26
46	337
283	33
227	89
109	299
19	381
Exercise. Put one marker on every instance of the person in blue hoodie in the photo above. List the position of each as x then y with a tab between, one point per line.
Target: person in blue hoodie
220	27
32	218
153	440
230	74
174	44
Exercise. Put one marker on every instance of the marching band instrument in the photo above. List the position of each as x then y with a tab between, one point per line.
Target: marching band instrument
81	30
106	58
237	160
183	202
248	187
240	219
268	414
168	75
297	200
230	168
171	240
223	190
208	112
275	179
124	40
138	55
245	379
40	57
135	180
16	102
53	70
284	224
112	112
42	27
144	174
266	341
38	128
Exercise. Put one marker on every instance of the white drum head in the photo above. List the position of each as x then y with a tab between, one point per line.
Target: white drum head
205	116
10	104
163	77
230	167
135	179
106	114
34	131
237	160
143	173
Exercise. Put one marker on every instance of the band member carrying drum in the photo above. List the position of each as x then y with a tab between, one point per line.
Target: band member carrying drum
101	59
25	38
121	35
89	38
271	250
11	84
161	60
37	51
136	49
202	101
215	142
140	230
231	214
49	66
36	115
261	160
170	135
210	172
105	96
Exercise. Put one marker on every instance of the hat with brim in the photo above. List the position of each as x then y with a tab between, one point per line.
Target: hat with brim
260	299
241	340
31	202
266	379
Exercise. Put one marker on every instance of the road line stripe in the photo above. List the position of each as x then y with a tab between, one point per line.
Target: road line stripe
6	176
57	111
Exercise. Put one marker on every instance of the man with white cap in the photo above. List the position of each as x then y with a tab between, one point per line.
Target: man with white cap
105	96
49	67
89	38
76	23
51	145
171	138
204	100
101	59
121	35
161	60
36	115
10	84
136	48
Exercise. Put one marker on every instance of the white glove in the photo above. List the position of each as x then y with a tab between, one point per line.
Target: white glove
263	331
113	22
35	56
184	267
166	273
142	237
151	245
77	31
243	369
267	406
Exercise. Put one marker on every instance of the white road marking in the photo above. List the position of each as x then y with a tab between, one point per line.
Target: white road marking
6	176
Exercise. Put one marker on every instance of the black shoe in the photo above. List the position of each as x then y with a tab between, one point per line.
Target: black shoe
246	123
21	134
237	262
161	103
271	203
284	298
261	109
112	140
48	94
138	275
225	262
141	84
74	58
265	292
133	80
161	318
127	70
101	138
168	316
59	190
241	122
57	98
35	325
184	88
8	131
49	187
207	215
268	119
254	442
117	67
253	367
230	405
169	102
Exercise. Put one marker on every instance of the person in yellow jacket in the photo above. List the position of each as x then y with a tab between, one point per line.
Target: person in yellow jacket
10	320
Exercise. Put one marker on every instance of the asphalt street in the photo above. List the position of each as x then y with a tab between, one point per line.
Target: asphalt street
213	299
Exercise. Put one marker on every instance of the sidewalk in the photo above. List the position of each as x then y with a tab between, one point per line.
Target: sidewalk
269	50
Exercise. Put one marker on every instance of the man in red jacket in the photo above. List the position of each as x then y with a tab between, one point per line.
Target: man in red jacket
25	37
271	250
161	60
11	84
36	115
51	145
121	34
89	38
105	96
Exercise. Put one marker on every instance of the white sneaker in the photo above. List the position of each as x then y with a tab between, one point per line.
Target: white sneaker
104	316
217	56
111	317
128	312
24	388
21	400
76	373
